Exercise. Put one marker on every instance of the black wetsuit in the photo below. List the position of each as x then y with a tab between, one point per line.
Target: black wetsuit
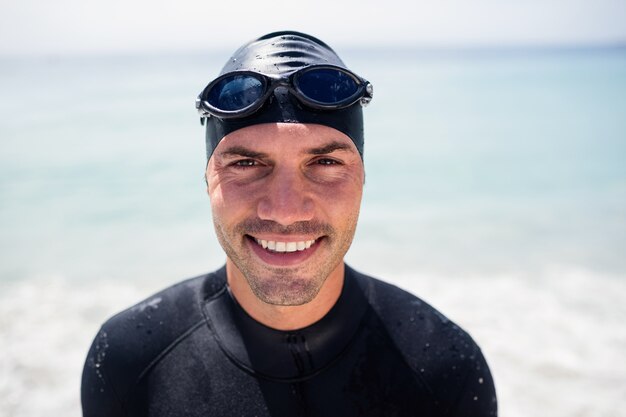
191	350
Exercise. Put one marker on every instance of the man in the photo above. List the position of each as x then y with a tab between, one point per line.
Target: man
285	328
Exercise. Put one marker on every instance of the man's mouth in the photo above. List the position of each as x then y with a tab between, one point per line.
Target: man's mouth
282	247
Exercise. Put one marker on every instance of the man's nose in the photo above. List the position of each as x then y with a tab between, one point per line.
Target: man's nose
286	198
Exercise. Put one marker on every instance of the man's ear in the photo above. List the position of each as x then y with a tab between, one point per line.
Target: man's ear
206	180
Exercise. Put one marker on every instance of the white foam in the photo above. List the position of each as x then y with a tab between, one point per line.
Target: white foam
554	341
46	328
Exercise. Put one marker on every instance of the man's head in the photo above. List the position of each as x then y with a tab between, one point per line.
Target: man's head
285	179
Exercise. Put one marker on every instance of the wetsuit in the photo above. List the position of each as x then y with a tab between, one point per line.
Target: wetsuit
191	350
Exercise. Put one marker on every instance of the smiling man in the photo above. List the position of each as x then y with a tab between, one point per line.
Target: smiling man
285	328
285	200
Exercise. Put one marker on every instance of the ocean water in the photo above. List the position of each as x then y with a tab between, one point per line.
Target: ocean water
495	190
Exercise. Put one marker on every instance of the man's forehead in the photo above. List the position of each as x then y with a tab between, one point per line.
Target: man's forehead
291	138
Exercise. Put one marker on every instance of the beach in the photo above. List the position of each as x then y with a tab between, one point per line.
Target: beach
495	190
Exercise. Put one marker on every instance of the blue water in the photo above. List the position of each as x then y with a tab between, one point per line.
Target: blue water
495	190
476	161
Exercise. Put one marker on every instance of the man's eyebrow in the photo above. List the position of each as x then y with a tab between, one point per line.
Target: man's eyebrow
329	148
235	151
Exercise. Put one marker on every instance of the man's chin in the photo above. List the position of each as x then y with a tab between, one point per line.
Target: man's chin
285	289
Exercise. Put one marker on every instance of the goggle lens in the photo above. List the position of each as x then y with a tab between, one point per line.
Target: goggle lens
236	92
327	86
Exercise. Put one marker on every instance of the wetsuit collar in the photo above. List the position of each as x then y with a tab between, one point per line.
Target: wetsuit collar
285	355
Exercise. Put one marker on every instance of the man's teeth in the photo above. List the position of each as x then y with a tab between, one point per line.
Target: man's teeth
285	246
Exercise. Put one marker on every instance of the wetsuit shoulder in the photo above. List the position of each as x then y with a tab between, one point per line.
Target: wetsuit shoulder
133	341
440	353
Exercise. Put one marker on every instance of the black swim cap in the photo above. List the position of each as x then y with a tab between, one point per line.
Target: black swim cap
283	53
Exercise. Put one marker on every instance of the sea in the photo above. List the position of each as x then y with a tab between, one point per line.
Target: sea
495	190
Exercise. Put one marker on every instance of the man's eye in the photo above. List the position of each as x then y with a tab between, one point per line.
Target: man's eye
245	163
327	161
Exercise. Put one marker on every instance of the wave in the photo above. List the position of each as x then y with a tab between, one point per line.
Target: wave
554	340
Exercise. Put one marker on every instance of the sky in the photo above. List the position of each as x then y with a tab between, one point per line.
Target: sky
127	26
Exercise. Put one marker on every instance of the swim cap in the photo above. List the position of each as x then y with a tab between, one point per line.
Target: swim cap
282	54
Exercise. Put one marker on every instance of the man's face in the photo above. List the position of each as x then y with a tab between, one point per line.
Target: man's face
285	200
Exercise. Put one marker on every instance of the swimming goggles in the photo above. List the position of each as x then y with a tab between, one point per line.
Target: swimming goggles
319	87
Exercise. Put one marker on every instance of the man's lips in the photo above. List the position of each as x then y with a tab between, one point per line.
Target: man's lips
282	252
279	246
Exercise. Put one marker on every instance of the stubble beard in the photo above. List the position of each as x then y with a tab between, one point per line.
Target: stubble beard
285	286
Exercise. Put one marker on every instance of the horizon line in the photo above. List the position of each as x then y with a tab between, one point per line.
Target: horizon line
422	48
